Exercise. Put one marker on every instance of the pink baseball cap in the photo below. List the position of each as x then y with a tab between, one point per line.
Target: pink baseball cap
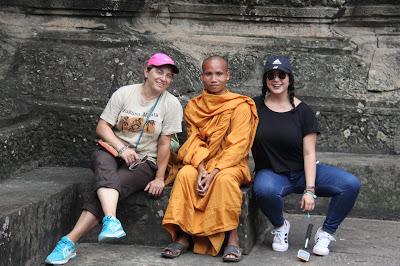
160	59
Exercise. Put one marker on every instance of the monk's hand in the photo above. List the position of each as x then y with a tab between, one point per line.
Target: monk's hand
129	156
200	178
155	187
307	202
206	181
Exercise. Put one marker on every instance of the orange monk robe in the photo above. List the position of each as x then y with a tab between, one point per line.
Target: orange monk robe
221	129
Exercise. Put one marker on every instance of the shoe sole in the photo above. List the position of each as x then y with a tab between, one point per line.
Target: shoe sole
280	250
320	253
111	238
61	262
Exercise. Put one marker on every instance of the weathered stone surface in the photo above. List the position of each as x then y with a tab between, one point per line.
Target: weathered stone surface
346	126
61	59
141	217
69	72
357	127
36	209
77	67
23	147
384	73
358	242
380	191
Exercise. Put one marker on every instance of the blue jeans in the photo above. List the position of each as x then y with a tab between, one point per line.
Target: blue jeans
343	187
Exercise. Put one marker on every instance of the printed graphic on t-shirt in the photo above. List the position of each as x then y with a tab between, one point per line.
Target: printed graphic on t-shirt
150	127
135	124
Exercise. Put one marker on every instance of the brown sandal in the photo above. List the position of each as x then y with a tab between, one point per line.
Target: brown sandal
173	250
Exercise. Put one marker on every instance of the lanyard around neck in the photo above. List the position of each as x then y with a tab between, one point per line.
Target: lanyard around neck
146	121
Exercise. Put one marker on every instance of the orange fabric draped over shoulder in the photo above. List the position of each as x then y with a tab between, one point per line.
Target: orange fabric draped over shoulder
220	130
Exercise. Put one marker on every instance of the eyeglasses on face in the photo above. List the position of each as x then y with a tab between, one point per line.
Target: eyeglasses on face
271	75
142	159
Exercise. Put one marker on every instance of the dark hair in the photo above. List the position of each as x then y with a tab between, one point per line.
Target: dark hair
265	89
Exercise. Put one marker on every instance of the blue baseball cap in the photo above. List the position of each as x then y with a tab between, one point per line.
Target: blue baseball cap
278	62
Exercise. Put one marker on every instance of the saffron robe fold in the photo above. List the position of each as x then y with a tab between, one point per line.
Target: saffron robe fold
220	132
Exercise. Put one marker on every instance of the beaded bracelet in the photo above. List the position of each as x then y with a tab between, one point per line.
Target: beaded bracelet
310	193
120	151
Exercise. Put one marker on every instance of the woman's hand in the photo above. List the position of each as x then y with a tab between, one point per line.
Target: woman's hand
307	202
129	156
155	187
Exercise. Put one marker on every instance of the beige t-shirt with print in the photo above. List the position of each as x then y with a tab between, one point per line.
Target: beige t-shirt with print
126	111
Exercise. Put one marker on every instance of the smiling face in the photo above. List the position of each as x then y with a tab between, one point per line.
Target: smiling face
215	75
277	82
159	78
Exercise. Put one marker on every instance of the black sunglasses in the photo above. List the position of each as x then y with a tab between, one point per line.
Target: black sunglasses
271	75
142	159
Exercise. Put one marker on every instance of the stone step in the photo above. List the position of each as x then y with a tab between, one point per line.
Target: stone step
358	242
141	217
379	176
38	207
241	11
23	145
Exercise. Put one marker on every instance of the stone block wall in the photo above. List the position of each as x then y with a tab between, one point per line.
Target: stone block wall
60	61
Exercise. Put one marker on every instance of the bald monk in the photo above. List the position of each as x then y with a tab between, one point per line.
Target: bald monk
206	199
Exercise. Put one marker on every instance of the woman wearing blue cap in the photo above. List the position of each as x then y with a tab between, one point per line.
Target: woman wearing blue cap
285	160
136	128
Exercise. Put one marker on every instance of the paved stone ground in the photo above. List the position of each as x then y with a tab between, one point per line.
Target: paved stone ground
359	242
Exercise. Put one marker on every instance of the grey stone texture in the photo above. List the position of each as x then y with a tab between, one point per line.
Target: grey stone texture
36	209
61	60
23	147
380	191
40	206
142	215
358	242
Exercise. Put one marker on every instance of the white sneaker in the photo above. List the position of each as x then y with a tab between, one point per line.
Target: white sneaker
322	241
281	240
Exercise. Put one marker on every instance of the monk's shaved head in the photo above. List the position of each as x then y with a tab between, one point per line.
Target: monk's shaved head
215	57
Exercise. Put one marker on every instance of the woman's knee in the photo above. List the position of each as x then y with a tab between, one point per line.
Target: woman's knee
264	187
353	183
339	177
98	157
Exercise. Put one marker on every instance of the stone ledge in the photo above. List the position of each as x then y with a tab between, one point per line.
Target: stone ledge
36	209
22	146
141	217
380	191
241	11
40	206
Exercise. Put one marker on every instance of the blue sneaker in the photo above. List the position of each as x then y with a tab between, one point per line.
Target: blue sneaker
112	229
63	252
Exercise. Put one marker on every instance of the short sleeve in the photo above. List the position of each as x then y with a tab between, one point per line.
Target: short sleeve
310	123
172	122
113	107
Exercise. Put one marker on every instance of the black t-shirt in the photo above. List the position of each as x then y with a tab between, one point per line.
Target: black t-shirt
278	144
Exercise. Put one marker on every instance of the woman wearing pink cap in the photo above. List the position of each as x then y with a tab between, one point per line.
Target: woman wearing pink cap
136	125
